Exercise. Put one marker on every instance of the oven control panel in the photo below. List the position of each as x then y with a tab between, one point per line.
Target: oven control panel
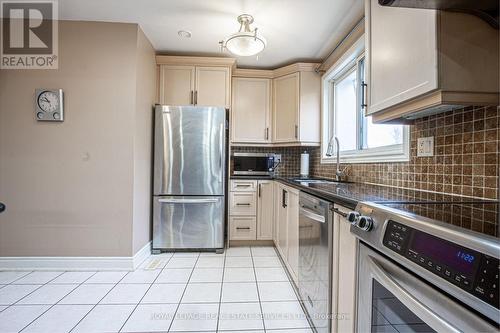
474	272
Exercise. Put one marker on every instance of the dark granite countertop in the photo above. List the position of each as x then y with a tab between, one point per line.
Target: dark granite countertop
349	193
476	214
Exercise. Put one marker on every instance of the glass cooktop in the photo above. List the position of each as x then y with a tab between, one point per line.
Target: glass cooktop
480	216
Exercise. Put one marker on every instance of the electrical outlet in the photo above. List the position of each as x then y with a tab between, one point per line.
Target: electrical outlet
277	158
425	146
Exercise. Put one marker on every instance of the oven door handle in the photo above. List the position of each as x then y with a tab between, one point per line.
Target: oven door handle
419	309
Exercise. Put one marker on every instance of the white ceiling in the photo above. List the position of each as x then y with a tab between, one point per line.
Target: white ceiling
294	29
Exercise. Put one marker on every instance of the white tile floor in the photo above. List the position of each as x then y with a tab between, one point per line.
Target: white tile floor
244	290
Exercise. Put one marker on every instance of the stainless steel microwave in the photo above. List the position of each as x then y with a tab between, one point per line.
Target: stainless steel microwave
253	164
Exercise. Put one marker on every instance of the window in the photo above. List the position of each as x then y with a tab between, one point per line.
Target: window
360	140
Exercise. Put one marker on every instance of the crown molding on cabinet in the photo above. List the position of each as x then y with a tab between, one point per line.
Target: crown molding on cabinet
195	61
237	72
274	73
253	73
297	67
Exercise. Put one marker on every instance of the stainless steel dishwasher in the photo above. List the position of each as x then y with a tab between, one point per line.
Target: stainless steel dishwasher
315	257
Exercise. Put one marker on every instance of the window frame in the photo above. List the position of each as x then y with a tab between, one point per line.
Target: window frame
348	62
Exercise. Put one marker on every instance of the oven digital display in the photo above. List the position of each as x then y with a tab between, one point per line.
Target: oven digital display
446	253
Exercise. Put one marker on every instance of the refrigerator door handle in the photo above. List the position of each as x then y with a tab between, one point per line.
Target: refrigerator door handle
221	145
188	201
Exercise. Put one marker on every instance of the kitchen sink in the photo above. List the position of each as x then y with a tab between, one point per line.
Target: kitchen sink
307	181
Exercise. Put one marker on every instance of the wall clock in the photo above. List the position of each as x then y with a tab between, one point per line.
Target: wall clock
49	105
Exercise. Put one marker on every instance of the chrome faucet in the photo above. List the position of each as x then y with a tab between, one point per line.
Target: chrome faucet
329	152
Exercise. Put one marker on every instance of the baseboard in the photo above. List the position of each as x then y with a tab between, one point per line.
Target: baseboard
141	255
250	243
75	263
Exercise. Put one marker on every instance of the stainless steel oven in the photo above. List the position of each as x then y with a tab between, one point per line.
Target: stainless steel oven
253	164
421	275
393	300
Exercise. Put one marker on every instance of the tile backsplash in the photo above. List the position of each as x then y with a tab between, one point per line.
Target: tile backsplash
465	162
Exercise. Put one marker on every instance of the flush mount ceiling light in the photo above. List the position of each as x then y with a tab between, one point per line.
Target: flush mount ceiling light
245	42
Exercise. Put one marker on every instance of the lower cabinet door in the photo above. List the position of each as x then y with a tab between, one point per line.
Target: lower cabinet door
265	210
242	228
242	203
282	222
293	232
346	256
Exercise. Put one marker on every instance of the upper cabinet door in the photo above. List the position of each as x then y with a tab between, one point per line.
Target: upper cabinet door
251	110
177	84
213	86
286	108
401	52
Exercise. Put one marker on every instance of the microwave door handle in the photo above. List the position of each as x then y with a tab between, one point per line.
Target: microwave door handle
410	301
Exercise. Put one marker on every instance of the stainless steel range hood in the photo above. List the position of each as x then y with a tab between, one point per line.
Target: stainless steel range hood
485	9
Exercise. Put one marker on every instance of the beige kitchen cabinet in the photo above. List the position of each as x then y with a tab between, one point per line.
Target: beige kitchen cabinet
242	227
213	86
344	273
251	110
177	84
251	210
242	203
296	108
281	217
422	61
265	210
287	223
203	81
243	185
286	107
293	232
278	205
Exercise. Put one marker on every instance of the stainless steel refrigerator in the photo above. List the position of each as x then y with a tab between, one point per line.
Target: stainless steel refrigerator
189	178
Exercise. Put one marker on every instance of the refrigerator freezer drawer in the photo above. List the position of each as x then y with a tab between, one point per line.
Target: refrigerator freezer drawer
183	222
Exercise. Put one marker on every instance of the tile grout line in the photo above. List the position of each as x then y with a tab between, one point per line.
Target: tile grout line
258	292
183	292
51	306
138	303
19	278
221	287
95	305
41	285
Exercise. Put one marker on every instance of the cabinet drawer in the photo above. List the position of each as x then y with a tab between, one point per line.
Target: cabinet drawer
242	228
243	203
243	185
